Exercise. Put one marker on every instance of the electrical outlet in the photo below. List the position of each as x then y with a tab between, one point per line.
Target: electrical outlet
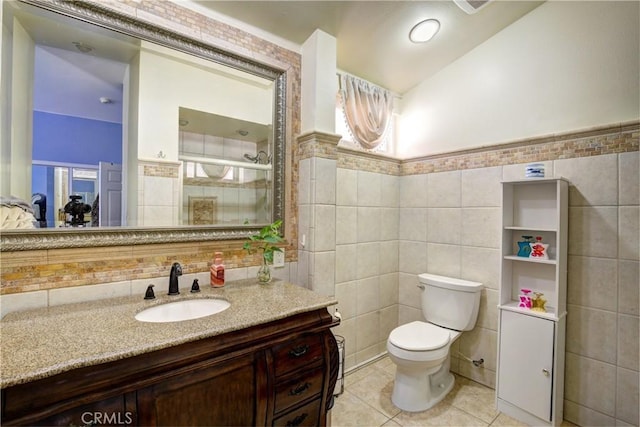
278	259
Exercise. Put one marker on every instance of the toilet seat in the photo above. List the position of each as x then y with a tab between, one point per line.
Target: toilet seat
419	336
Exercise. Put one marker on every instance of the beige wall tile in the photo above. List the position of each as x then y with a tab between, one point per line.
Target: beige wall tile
389	285
413	191
583	325
627	402
346	258
481	187
590	383
413	224
390	190
367	327
480	343
368	298
409	293
323	268
481	265
593	231
324	228
304	181
628	343
368	224
583	416
412	257
444	189
388	321
389	257
443	260
346	187
368	260
629	232
347	294
592	282
488	315
594	180
408	314
444	225
347	329
389	223
628	180
369	192
481	227
628	289
324	177
346	225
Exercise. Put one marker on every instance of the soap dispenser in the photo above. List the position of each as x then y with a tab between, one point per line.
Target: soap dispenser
217	271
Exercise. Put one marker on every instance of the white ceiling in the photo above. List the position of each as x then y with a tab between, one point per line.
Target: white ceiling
372	36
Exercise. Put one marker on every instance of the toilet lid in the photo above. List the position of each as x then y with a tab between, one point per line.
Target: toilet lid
419	336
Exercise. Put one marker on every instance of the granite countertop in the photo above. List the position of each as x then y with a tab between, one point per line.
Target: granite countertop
43	342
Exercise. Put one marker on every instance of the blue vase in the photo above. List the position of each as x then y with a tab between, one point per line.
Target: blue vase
524	248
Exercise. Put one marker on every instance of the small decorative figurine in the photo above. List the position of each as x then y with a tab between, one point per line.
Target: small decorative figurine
538	302
539	249
525	299
524	248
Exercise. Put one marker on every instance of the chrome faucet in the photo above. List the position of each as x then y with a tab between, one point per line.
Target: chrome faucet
176	270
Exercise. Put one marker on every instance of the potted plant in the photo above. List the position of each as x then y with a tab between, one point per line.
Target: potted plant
265	240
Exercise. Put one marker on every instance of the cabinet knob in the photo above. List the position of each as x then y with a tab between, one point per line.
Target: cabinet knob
299	351
545	372
297	420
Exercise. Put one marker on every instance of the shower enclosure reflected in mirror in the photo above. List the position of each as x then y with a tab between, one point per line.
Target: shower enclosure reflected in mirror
198	133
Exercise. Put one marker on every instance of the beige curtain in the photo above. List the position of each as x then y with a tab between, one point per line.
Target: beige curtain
367	109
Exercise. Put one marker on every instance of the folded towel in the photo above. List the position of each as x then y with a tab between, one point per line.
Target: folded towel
12	217
15	201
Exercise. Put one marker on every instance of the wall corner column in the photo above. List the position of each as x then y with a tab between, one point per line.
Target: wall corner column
317	153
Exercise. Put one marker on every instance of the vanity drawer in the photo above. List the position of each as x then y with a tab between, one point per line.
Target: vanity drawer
298	389
307	415
301	352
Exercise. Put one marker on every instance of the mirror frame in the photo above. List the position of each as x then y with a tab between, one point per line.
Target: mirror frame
27	239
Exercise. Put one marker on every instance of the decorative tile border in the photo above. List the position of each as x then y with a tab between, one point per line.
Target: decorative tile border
318	144
612	139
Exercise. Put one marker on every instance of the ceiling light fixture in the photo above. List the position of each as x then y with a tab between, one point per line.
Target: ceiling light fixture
424	31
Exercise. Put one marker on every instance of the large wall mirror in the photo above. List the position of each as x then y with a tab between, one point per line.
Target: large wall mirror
119	132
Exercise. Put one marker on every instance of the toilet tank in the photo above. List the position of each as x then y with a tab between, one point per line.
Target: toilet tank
449	302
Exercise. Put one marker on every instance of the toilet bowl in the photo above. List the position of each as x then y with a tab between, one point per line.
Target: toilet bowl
420	350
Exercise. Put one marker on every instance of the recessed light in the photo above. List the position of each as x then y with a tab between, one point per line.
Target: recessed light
424	31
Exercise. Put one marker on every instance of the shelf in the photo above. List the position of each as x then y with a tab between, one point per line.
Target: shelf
536	229
549	315
534	260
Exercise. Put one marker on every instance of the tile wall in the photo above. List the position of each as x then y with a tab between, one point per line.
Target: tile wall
448	223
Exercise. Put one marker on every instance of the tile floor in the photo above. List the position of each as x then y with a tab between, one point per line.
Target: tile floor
366	401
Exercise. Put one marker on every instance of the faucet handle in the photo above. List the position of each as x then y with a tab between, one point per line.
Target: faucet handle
149	293
195	287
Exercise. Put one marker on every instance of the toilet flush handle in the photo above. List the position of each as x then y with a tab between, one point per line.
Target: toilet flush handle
421	286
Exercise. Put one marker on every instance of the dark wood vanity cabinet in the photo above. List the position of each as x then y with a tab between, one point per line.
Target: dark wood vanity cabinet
279	373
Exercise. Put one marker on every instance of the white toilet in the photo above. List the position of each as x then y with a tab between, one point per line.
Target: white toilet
420	350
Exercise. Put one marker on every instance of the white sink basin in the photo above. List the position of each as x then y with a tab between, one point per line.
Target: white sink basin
182	310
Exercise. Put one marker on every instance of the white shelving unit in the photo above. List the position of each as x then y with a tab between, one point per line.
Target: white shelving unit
530	375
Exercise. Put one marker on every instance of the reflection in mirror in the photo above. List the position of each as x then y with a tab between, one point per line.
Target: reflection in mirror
226	170
144	134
